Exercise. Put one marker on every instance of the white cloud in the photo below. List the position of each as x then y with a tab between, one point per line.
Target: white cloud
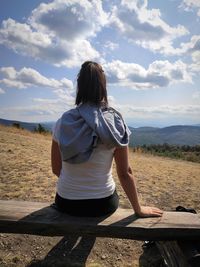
13	83
57	105
45	108
157	112
60	32
196	95
195	66
194	50
2	91
112	101
50	109
40	110
158	74
145	27
69	19
27	77
110	45
21	32
191	5
166	46
57	32
23	39
34	112
28	42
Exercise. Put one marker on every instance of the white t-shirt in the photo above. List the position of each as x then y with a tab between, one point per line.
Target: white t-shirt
88	180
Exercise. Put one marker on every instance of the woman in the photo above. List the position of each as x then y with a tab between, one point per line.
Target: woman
85	141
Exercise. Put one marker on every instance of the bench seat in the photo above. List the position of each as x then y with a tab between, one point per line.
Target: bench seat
37	218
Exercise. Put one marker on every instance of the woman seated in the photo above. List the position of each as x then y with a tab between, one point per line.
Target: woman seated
86	139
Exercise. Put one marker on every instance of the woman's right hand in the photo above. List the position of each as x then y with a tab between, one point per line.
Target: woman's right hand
146	211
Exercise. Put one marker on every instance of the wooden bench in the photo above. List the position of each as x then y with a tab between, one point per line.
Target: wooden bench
35	218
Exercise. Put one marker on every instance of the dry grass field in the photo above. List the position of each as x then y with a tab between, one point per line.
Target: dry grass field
25	174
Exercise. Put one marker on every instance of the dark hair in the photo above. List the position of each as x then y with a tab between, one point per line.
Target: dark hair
91	84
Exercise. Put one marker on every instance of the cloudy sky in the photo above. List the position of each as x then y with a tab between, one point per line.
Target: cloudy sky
150	51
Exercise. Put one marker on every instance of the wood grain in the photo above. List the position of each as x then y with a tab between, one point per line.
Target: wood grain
41	219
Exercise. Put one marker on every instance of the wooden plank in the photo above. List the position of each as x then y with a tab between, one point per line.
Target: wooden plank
41	219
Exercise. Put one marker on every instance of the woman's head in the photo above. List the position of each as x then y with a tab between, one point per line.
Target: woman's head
91	84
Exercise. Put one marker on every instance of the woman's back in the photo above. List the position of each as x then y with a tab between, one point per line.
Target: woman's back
88	180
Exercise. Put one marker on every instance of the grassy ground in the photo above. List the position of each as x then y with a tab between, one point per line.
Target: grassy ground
25	174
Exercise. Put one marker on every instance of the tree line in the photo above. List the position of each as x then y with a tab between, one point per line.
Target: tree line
186	152
38	129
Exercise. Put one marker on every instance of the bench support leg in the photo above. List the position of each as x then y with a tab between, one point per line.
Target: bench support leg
172	254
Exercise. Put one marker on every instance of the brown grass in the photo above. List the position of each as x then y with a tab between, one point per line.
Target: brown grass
25	173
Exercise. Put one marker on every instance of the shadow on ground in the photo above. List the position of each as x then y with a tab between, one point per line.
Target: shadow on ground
150	256
70	251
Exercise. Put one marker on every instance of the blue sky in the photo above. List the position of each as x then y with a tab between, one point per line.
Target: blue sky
150	52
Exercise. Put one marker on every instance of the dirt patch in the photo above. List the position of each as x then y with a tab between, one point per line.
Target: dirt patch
25	174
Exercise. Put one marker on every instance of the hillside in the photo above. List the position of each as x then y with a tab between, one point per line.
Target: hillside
30	126
25	173
175	135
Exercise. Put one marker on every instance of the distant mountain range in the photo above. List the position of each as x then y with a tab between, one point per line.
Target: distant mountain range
28	125
177	134
174	135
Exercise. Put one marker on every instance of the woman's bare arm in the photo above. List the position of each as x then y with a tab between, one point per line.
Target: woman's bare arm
56	161
127	181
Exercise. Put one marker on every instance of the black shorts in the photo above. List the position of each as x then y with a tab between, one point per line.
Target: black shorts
88	207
